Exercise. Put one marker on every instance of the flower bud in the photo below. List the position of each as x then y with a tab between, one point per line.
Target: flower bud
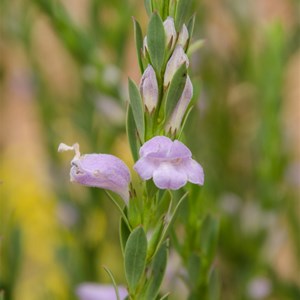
149	89
177	59
173	124
171	34
99	170
183	36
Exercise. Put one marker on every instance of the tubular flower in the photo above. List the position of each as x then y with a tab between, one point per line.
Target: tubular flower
169	163
99	170
177	59
171	34
174	122
149	89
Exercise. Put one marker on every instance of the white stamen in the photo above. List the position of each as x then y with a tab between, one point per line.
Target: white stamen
63	147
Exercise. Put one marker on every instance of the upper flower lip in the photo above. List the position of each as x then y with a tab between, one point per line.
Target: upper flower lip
162	147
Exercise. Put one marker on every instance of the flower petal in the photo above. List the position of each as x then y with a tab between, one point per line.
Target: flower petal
103	171
145	167
179	150
193	170
169	177
159	147
93	291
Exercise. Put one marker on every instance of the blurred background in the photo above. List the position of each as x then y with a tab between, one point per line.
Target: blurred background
63	73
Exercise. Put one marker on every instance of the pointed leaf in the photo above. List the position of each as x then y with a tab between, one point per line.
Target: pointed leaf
156	41
164	297
118	207
172	8
132	134
194	47
135	257
209	237
158	270
171	219
138	36
113	282
181	12
184	122
175	89
148	7
137	108
190	26
165	9
194	269
124	234
214	285
157	6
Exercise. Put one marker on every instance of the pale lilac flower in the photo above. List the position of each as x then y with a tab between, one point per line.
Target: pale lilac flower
183	36
149	89
174	123
259	288
177	59
93	291
169	163
170	31
99	170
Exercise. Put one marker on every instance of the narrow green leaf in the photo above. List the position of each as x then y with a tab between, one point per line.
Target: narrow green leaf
137	109
175	89
156	42
132	134
182	9
164	297
172	8
171	218
138	36
214	285
118	207
110	274
157	6
190	25
209	237
135	257
184	122
124	234
165	9
194	269
158	270
194	47
148	7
